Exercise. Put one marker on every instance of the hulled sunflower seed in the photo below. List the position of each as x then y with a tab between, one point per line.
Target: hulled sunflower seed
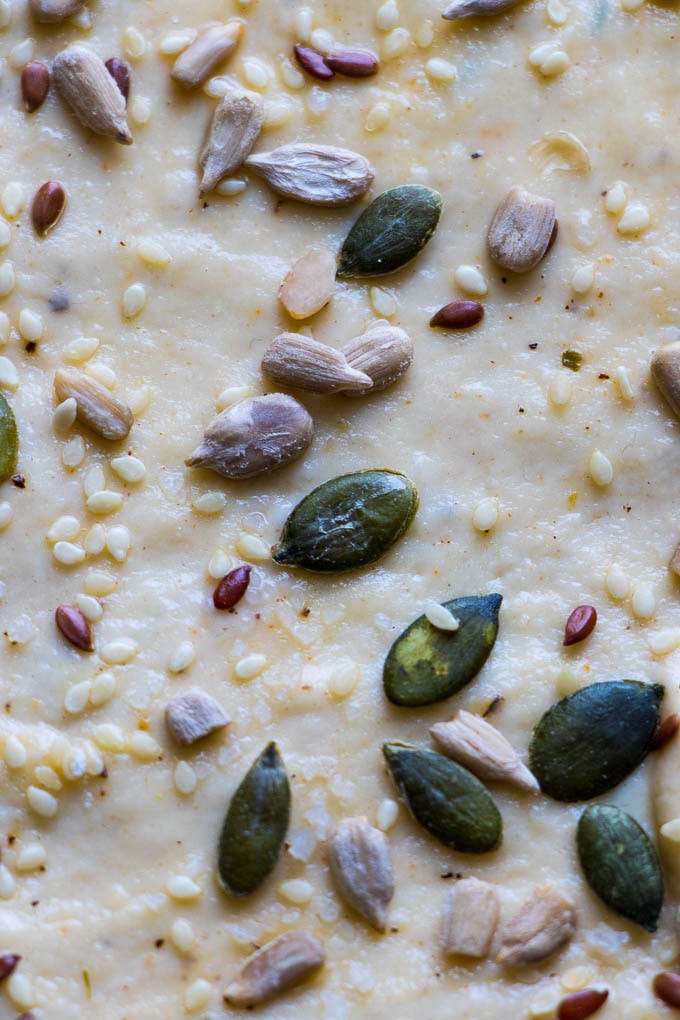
35	84
521	230
83	82
254	436
193	716
196	63
470	918
309	284
315	174
359	857
48	11
545	923
75	627
95	406
236	122
305	364
477	8
478	745
383	353
666	374
48	204
275	968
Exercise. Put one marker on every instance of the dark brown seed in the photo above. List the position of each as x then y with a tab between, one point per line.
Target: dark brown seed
665	732
232	588
580	624
120	73
458	315
49	203
75	627
666	986
313	62
353	63
7	964
582	1004
35	84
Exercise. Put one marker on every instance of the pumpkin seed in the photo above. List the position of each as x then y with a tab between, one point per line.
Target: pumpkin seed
426	664
255	825
620	863
9	440
348	522
591	740
390	232
445	798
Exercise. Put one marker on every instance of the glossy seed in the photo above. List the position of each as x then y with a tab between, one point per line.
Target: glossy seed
8	963
353	63
231	589
47	207
591	740
620	864
120	73
665	368
580	1005
394	228
311	61
666	986
665	732
458	315
255	825
9	441
445	798
426	664
348	522
75	627
35	84
580	625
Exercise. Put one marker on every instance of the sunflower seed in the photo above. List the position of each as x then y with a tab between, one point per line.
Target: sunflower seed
521	230
236	122
9	440
95	406
48	11
383	352
48	204
83	82
192	716
309	284
479	746
545	923
275	968
315	174
254	436
211	47
302	363
666	374
470	919
477	8
359	857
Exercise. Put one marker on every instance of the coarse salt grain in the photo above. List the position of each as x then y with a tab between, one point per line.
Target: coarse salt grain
182	657
182	936
42	802
250	666
600	468
616	582
134	300
13	199
485	514
185	778
118	652
77	697
64	415
296	890
68	553
181	887
90	607
387	813
440	617
99	584
198	995
15	753
251	547
65	528
130	469
635	219
9	378
104	502
102	689
643	601
31	857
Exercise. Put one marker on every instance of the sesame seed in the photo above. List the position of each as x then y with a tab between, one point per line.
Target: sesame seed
396	43
68	553
31	857
290	75
377	118
296	890
15	753
13	199
423	36
600	468
118	652
95	540
90	607
9	378
387	813
383	302
251	547
139	400
198	996
143	746
5	234
134	43
556	13
181	887
104	374
250	666
663	642
118	542
153	253
231	395
7	279
583	279
544	1004
30	325
441	70
643	601
4	328
278	112
104	502
616	198
219	564
256	73
671	830
130	469
209	503
99	584
20	990
64	415
140	113
560	390
102	689
343	680
94	480
182	657
576	978
616	582
73	453
6	515
74	764
65	528
185	778
47	777
440	617
42	802
109	737
322	40
623	383
635	219
6	12
182	936
175	43
7	883
134	300
303	24
77	697
231	187
387	16
470	280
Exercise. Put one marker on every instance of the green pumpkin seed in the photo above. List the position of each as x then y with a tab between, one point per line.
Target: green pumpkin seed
255	825
591	740
348	522
9	440
620	864
426	664
445	798
390	232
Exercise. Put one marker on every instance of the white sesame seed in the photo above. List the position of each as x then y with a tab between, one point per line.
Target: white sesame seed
104	374
440	617
102	689
140	113
485	514
231	187
104	502
181	887
82	19
64	415
130	469
7	883
47	777
209	503
256	73
218	86
303	24
42	802
68	553
643	601
471	280
94	480
251	547
219	564
74	764
143	746
556	13
250	666
20	990
322	40
6	12
278	112
384	303
583	279
182	936
95	762
20	630
77	697
90	607
671	830
560	390
73	453
139	400
616	582
13	198
387	814
95	540
134	299
118	652
65	528
396	43
557	63
291	76
5	234
185	778
109	737
231	395
318	101
134	43
343	680
544	1003
6	515
440	70
176	42
198	995
635	219
7	279
663	642
30	325
118	542
377	118
99	584
296	890
423	36
387	16
623	382
153	253
15	753
600	468
616	197
31	857
9	378
182	657
4	328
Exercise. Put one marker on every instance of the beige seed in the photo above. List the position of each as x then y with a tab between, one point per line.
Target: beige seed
544	923
300	362
7	278
470	919
50	11
13	199
275	968
477	8
384	353
359	857
315	174
309	284
83	82
95	406
192	716
476	744
600	469
235	125
213	45
521	230
42	802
